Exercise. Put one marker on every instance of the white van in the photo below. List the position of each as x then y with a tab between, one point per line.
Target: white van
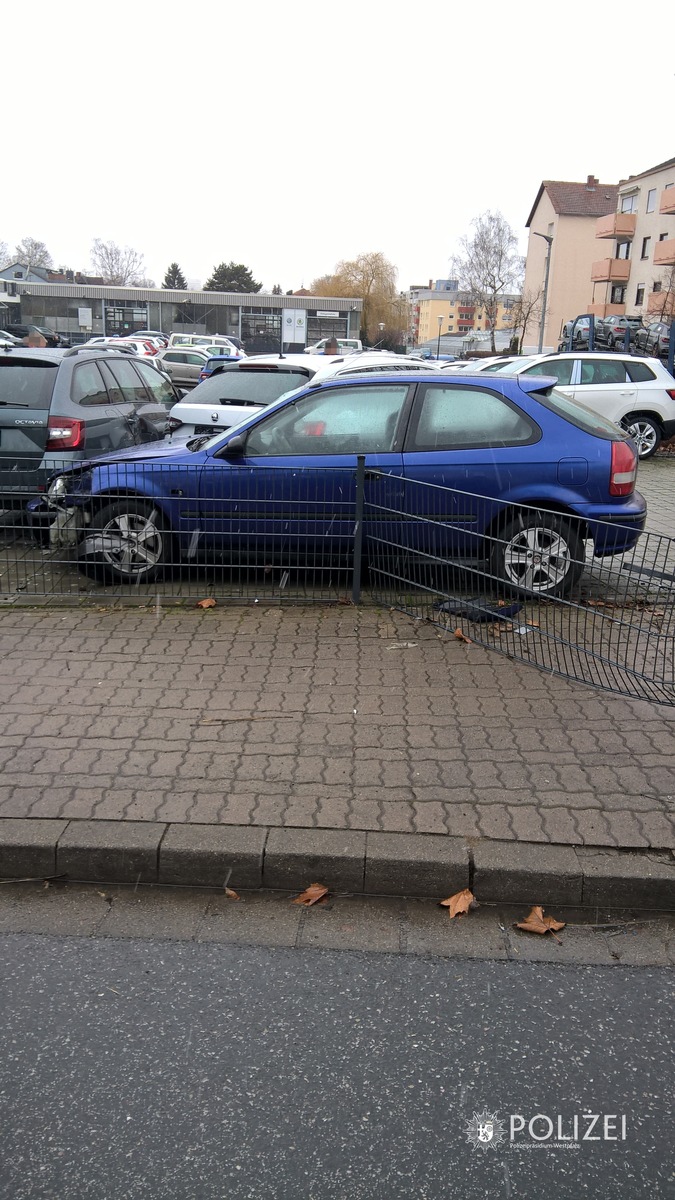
200	339
346	346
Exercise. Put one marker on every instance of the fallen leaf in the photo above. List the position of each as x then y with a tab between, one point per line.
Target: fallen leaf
311	895
209	603
459	904
231	894
461	637
536	922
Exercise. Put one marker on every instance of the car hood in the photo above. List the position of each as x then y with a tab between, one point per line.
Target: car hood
149	452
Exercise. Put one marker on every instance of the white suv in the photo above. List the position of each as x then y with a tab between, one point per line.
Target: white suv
636	393
237	389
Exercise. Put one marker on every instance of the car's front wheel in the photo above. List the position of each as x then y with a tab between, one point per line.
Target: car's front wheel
540	554
128	541
645	432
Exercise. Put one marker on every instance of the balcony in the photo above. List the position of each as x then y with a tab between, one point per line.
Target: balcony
616	225
667	200
607	310
664	253
611	270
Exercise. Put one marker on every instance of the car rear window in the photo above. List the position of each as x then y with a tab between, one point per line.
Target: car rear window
262	385
27	383
577	414
639	372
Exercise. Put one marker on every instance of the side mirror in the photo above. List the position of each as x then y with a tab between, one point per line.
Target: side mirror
234	448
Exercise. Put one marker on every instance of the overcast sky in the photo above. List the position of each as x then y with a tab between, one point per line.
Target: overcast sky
289	135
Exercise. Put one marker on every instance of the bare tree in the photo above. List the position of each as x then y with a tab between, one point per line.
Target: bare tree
372	278
4	255
488	264
31	253
524	310
116	265
664	307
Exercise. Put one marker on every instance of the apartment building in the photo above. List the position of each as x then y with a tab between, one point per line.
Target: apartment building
563	222
443	306
638	277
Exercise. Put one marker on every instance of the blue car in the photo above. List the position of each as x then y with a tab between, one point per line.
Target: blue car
451	463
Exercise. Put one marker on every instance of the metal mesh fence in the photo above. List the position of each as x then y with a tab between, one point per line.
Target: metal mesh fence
521	580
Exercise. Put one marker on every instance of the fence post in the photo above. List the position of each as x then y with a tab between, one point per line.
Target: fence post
358	527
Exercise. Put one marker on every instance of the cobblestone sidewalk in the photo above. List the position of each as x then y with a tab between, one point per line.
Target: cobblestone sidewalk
335	718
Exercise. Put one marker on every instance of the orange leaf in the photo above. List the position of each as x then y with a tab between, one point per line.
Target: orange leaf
231	894
210	603
461	637
536	922
311	895
459	904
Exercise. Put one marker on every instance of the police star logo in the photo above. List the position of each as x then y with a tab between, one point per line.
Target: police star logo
485	1130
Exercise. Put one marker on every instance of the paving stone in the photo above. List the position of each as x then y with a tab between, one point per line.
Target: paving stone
212	855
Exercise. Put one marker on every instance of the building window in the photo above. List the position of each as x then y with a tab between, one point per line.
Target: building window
662	237
618	294
646	243
651	200
640	294
656	286
623	249
629	203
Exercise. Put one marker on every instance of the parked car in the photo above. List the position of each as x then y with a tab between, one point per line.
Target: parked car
144	349
653	339
201	339
235	388
345	346
22	331
479	366
282	484
9	338
638	394
60	406
214	363
154	334
182	364
612	330
581	332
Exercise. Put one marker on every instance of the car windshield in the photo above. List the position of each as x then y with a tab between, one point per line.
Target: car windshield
27	383
259	384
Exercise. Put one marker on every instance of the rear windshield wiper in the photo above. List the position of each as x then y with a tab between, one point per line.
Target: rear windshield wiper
14	404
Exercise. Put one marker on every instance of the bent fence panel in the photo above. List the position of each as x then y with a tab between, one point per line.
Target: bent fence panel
614	628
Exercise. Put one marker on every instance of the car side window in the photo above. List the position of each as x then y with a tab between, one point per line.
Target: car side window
602	370
561	368
88	386
159	387
175	357
450	417
194	360
639	372
130	386
339	421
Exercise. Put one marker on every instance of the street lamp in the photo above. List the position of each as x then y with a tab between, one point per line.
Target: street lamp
549	241
381	327
438	344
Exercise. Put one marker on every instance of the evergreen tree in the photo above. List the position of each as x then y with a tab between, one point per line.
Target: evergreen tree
232	277
175	278
276	290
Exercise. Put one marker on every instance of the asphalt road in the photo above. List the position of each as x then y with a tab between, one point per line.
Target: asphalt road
144	1068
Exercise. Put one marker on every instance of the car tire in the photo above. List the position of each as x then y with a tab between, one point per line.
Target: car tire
645	432
128	541
538	554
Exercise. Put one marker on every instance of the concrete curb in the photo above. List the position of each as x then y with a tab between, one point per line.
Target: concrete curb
394	864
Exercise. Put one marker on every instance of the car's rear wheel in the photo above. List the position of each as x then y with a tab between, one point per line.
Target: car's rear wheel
128	542
540	554
645	432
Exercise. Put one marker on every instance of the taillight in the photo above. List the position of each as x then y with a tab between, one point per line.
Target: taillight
173	424
623	470
65	433
670	392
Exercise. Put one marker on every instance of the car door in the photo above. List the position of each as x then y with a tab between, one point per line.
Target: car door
194	364
108	414
292	492
465	449
603	384
173	362
146	419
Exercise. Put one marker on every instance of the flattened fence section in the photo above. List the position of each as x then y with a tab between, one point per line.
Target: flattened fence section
613	629
518	579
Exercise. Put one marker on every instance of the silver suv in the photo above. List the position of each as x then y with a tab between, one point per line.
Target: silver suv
58	406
